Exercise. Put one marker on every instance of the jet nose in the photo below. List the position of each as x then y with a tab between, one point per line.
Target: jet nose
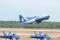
47	17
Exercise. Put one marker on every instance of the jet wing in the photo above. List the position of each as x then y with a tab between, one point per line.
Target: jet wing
1	36
5	36
30	21
37	35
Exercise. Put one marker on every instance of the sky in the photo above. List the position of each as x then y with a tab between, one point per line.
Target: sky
11	9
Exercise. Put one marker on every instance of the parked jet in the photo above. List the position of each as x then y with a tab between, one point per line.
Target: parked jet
35	19
41	36
9	35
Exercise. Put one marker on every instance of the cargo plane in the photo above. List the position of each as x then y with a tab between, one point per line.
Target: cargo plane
31	20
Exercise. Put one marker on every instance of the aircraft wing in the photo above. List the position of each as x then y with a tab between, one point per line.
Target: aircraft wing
2	36
5	36
30	21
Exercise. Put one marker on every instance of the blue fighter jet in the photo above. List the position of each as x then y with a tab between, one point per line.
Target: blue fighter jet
31	20
9	35
41	36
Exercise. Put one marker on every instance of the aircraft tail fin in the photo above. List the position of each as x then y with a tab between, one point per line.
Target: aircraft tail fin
21	18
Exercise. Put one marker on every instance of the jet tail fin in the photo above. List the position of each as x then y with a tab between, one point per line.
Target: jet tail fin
21	18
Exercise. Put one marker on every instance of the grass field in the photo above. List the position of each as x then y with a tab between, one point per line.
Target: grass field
25	33
16	24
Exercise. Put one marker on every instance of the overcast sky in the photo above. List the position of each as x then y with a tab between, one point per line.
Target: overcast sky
10	9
